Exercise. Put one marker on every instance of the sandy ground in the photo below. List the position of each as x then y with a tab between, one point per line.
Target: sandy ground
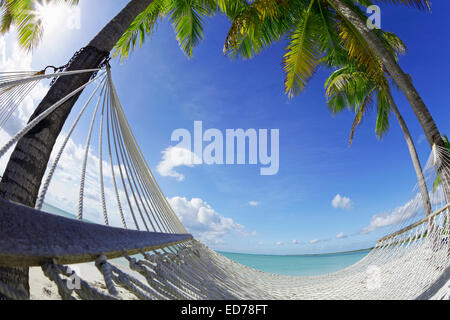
41	288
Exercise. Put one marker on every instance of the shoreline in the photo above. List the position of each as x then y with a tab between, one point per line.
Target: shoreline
297	255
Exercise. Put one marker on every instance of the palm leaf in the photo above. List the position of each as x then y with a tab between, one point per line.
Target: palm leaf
383	111
303	53
6	19
257	25
329	25
232	8
29	27
142	26
360	115
188	18
393	44
337	103
350	87
358	50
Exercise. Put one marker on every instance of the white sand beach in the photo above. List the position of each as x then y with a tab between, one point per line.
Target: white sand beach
420	261
42	288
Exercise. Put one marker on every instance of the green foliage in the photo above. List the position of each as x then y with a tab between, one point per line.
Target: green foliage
353	87
144	25
438	181
313	30
303	52
188	18
257	25
317	34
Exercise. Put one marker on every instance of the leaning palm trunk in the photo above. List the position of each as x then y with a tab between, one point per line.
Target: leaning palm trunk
403	81
22	177
414	157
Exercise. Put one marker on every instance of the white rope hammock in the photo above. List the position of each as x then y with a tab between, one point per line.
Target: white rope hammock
406	264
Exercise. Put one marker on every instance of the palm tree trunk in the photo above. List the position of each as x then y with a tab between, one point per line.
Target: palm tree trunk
415	159
28	162
403	81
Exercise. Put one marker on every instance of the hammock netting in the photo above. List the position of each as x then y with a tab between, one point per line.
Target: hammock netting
411	262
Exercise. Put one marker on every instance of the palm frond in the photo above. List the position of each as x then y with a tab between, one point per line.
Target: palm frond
360	115
6	20
338	80
257	25
142	27
303	53
393	44
358	49
350	87
337	103
188	18
29	26
446	141
331	40
231	8
351	82
383	111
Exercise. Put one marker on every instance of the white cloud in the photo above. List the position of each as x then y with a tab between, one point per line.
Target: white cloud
253	203
396	216
203	221
295	241
314	241
421	138
342	202
174	157
279	243
341	235
410	209
12	57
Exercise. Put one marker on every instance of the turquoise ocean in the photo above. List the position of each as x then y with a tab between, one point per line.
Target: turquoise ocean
291	265
298	265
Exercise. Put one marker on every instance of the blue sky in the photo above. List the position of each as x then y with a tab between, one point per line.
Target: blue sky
161	90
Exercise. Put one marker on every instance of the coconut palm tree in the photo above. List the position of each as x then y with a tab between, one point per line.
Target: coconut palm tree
318	35
404	82
313	28
349	87
28	162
